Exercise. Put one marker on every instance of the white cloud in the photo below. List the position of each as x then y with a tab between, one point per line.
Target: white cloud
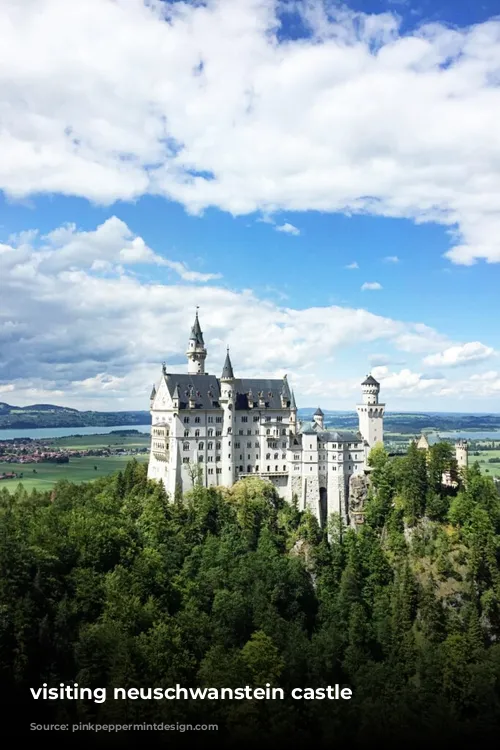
287	228
358	117
391	259
371	285
76	331
462	354
352	266
405	381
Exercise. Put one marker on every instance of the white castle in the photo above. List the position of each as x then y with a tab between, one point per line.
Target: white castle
215	431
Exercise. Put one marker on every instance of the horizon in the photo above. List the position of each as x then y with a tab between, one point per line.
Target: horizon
319	178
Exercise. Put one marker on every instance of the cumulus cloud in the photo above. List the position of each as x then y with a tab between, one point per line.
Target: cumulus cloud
287	228
391	259
202	104
462	354
352	266
79	326
371	286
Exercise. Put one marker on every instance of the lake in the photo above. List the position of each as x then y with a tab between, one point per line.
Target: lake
471	435
53	432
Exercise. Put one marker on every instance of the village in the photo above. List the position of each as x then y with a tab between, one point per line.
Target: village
32	451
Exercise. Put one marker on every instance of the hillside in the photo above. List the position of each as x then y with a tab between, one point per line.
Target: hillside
112	586
49	415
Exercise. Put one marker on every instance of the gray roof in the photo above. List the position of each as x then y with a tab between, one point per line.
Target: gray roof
205	390
318	413
293	405
196	332
370	380
153	392
227	370
330	436
270	389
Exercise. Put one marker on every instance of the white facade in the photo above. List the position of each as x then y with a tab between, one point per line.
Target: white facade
217	430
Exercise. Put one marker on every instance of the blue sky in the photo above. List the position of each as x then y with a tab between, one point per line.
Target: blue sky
322	179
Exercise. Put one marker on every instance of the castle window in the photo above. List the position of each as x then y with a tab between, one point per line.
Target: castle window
241	457
210	432
218	446
200	446
210	419
210	471
219	471
297	468
249	469
268	419
255	419
268	456
229	430
284	468
241	468
296	457
244	419
186	420
249	432
185	460
268	432
256	443
210	446
210	459
334	468
283	432
279	419
256	468
186	433
185	447
217	458
240	432
283	455
276	468
200	459
197	420
218	419
229	455
310	468
283	444
218	433
269	468
275	456
236	445
256	432
249	445
197	433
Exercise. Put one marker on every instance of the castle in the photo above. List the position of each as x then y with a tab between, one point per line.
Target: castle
215	431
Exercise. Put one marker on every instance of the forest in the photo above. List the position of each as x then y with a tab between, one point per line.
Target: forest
110	584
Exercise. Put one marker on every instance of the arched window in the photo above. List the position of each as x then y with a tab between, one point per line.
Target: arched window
218	446
186	433
197	433
185	447
275	457
268	456
210	446
200	446
268	432
210	432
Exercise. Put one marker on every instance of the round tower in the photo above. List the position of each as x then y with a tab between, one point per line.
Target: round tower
371	413
228	403
196	352
462	454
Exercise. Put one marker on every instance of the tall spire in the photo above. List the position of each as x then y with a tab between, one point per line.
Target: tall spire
293	405
227	370
196	332
153	393
196	352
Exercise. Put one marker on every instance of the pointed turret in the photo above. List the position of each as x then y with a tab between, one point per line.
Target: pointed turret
293	405
318	418
153	393
227	370
196	352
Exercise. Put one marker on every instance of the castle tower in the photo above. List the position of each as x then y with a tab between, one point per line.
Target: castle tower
196	352
462	454
293	415
227	402
319	418
371	413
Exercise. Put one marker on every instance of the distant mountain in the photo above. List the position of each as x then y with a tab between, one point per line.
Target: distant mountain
50	415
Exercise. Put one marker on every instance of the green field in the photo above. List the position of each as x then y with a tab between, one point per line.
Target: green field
100	441
77	470
492	470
